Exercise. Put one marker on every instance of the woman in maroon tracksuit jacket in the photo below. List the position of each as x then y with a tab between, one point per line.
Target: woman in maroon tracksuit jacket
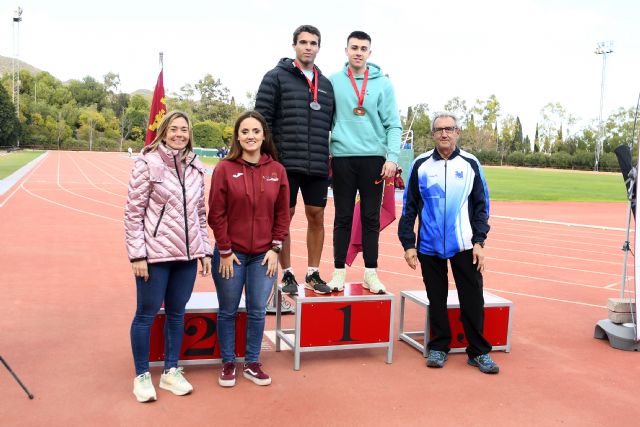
249	215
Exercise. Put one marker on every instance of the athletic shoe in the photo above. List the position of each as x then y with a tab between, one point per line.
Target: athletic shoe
143	388
316	284
372	283
484	363
436	358
337	280
228	375
290	286
174	381
253	371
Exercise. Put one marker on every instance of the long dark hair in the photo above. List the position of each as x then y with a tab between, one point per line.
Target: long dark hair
267	147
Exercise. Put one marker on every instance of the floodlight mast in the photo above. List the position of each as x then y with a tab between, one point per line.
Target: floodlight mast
15	63
603	48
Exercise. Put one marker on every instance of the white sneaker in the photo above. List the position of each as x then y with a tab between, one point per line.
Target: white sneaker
175	382
372	283
337	280
143	388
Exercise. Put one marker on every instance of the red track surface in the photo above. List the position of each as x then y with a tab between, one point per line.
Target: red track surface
68	300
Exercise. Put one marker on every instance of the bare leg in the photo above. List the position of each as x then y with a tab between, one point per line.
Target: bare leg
315	234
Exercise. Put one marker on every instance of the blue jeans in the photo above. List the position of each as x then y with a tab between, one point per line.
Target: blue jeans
258	289
171	282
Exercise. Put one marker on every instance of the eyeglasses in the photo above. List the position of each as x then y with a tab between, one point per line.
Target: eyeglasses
449	129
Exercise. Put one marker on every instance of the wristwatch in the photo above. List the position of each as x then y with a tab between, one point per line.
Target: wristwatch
276	248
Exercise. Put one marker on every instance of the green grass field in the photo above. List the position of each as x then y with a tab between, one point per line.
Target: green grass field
507	183
9	163
210	161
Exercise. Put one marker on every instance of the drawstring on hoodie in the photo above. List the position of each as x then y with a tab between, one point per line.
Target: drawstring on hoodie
246	182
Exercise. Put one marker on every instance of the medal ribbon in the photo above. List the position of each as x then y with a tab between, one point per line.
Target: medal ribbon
364	86
312	85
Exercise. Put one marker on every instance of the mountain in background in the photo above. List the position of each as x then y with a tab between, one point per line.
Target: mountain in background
5	66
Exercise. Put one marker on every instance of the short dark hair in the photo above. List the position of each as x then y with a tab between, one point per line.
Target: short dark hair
360	35
306	29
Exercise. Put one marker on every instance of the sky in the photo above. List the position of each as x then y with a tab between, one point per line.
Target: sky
526	52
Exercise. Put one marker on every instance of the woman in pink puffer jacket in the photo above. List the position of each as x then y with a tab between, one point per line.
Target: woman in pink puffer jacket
166	233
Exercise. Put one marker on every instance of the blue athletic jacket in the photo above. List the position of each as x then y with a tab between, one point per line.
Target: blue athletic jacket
452	201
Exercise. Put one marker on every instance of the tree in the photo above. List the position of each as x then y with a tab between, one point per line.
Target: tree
8	120
91	121
88	92
420	122
458	107
553	117
536	141
207	134
518	142
488	112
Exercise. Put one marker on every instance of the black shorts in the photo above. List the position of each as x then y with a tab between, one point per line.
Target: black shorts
313	188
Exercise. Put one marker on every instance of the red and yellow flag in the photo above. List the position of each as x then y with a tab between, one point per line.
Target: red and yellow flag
157	112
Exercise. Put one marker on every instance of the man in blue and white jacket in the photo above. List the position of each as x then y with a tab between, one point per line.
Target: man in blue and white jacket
448	193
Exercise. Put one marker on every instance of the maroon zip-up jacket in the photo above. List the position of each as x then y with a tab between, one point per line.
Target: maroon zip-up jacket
249	205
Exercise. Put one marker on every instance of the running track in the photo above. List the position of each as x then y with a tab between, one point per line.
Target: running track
69	299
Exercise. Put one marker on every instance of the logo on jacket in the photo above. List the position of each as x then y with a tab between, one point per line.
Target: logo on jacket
272	178
459	174
237	175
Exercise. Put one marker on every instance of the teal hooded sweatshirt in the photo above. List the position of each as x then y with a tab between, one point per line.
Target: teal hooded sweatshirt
379	131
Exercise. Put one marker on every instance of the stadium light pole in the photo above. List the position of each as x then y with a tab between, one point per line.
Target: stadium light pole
15	63
603	48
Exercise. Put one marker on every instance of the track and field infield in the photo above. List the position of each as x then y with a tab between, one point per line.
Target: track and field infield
69	298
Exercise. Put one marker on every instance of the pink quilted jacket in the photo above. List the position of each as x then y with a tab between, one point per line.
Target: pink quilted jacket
165	217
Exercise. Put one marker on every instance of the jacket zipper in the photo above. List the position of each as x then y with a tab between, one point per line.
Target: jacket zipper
184	204
444	219
309	131
155	230
253	204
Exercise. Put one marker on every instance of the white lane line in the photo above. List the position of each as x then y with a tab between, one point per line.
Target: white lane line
418	276
126	172
578	247
543	279
92	183
125	183
68	207
568	224
27	176
527	237
80	195
546	298
535	264
381	254
271	335
558	256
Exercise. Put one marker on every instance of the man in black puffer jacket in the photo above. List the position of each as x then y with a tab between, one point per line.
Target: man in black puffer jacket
297	102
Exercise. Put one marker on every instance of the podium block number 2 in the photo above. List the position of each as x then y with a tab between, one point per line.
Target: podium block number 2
192	328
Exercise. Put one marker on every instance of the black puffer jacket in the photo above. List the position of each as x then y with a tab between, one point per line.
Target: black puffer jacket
300	133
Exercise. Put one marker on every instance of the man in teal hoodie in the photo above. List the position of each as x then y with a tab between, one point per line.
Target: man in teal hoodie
365	142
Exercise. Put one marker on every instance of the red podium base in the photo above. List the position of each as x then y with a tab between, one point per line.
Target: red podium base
354	318
200	339
497	322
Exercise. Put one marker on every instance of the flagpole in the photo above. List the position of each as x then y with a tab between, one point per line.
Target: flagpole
158	105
